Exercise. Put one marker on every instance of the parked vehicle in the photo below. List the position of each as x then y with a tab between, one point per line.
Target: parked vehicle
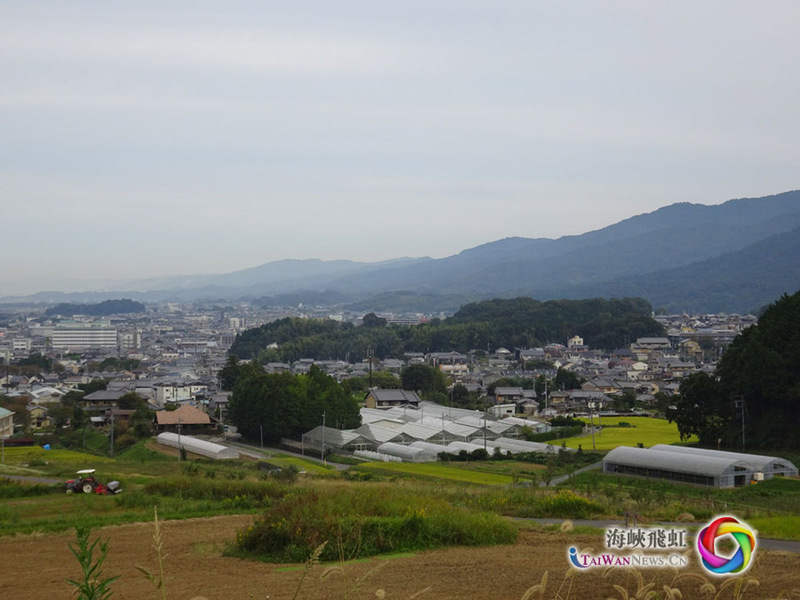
87	483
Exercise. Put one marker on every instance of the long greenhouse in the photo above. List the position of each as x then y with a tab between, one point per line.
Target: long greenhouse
197	446
693	468
769	466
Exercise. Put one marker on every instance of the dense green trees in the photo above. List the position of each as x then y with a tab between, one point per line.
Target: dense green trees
567	380
424	379
701	410
102	309
286	405
760	372
233	371
520	322
381	379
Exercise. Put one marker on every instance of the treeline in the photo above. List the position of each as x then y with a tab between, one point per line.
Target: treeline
759	375
285	405
513	323
102	309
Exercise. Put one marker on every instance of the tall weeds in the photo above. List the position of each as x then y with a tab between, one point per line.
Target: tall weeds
91	585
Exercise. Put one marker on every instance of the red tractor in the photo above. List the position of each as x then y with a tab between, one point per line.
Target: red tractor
87	483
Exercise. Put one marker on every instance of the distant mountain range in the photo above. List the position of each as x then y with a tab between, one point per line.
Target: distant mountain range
733	257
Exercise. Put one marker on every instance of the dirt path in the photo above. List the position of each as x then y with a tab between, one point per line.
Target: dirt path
30	479
34	567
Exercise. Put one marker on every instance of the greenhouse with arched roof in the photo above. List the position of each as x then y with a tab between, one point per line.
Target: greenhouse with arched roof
770	466
695	469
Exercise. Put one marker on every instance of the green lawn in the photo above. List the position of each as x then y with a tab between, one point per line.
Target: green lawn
645	430
438	471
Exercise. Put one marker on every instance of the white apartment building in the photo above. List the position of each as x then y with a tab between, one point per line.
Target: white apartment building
177	391
130	340
21	344
84	335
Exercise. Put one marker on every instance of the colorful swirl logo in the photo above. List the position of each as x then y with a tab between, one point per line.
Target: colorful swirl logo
706	546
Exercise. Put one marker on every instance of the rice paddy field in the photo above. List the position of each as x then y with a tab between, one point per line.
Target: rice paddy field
644	430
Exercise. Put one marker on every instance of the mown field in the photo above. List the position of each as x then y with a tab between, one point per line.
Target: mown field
645	430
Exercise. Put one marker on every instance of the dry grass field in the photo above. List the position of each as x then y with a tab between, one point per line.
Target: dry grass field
35	567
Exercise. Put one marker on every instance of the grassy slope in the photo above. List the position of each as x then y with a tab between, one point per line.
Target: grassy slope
437	471
771	506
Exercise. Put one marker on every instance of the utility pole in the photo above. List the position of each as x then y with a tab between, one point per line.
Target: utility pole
591	423
180	458
599	419
545	391
740	406
369	358
112	433
323	438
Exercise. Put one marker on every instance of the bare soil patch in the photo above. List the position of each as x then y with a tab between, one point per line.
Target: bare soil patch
35	567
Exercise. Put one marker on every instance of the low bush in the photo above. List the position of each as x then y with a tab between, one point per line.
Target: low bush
566	422
530	503
377	520
556	434
214	489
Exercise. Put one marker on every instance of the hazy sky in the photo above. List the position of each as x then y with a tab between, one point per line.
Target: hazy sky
146	138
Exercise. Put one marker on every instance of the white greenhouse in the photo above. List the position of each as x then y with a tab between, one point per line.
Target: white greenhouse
197	446
407	453
696	469
769	466
519	446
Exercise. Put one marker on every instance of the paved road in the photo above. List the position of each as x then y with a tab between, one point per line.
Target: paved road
256	452
563	478
765	543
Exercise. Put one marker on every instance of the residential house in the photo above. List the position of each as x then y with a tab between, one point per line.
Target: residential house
38	417
103	399
532	354
177	391
599	384
6	423
185	418
45	395
377	398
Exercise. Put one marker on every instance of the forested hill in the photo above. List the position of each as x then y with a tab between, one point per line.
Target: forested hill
514	323
759	375
103	309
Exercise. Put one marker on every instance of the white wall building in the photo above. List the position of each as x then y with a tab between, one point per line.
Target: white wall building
80	335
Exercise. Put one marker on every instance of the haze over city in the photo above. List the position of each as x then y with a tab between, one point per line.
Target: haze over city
149	139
